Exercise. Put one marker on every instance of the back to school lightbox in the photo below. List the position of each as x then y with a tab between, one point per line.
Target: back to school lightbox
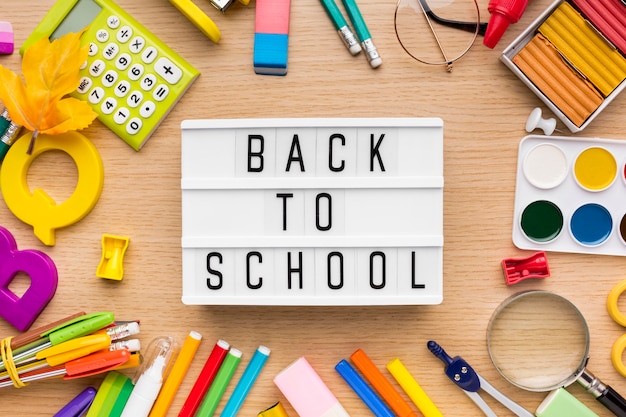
312	211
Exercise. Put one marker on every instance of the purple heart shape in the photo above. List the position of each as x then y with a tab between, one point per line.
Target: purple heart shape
22	311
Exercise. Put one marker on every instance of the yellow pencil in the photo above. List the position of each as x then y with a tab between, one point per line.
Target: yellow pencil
174	379
413	389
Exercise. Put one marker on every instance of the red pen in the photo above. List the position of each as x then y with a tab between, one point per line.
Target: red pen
205	379
89	365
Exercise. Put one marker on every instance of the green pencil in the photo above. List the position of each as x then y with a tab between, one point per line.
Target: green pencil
223	377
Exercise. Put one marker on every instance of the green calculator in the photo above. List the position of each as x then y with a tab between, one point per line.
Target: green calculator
131	78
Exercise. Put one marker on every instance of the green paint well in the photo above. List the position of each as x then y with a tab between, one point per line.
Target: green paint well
542	221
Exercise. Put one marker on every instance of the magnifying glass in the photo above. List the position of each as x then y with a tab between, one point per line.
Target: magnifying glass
539	341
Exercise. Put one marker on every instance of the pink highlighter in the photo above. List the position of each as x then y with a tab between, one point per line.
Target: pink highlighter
503	13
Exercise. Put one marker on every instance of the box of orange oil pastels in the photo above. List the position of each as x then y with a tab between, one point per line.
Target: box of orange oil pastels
573	58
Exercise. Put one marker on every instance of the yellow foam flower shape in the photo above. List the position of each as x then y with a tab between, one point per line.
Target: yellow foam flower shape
50	72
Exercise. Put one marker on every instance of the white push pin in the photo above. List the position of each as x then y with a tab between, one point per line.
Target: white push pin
536	121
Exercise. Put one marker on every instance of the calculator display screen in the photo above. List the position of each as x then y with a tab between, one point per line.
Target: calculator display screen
83	13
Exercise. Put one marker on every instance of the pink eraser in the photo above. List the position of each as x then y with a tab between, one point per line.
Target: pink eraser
6	38
272	16
307	393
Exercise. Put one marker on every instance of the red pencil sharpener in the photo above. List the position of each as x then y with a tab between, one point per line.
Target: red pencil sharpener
518	269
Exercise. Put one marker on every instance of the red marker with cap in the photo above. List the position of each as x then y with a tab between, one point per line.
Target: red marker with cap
503	13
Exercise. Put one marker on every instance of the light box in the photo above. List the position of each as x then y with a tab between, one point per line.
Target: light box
312	211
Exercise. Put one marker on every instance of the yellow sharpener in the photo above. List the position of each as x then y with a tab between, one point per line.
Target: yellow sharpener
112	261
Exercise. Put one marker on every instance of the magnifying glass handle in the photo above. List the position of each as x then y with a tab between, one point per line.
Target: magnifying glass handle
606	395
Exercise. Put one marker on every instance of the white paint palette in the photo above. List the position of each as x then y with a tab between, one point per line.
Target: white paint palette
571	195
312	211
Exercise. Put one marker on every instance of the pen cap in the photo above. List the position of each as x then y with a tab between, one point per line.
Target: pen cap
503	13
160	350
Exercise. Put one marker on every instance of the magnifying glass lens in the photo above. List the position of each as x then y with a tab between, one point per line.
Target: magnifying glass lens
538	341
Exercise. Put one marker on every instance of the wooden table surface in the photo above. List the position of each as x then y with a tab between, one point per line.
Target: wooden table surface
484	107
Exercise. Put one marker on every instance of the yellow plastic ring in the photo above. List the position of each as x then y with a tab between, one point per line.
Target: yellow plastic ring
611	303
198	18
616	355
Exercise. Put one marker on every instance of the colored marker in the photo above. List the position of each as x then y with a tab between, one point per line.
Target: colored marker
307	393
206	377
360	387
79	405
109	390
223	377
344	31
382	385
243	387
413	389
176	375
363	33
150	381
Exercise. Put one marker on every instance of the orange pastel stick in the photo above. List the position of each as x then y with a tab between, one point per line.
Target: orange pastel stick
382	385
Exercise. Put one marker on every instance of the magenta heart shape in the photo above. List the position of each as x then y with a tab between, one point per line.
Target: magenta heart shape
22	311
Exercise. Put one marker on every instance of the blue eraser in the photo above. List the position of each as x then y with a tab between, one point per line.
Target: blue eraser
270	53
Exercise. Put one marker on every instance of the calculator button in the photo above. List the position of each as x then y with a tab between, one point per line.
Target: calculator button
93	49
161	92
110	51
84	64
123	61
135	72
84	85
134	99
166	69
97	67
102	35
137	44
134	126
147	109
148	82
124	34
96	95
108	105
109	78
122	88
149	55
113	22
121	115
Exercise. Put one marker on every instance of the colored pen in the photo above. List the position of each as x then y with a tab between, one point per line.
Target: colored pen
78	406
363	33
413	389
149	383
223	377
344	31
360	387
86	366
382	385
206	377
35	334
74	328
176	375
243	387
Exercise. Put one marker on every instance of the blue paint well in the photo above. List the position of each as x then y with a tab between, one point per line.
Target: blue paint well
591	224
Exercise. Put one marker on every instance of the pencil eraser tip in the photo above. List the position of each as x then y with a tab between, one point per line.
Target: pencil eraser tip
376	62
355	49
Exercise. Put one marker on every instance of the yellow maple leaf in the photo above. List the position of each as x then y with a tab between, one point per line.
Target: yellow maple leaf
50	71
